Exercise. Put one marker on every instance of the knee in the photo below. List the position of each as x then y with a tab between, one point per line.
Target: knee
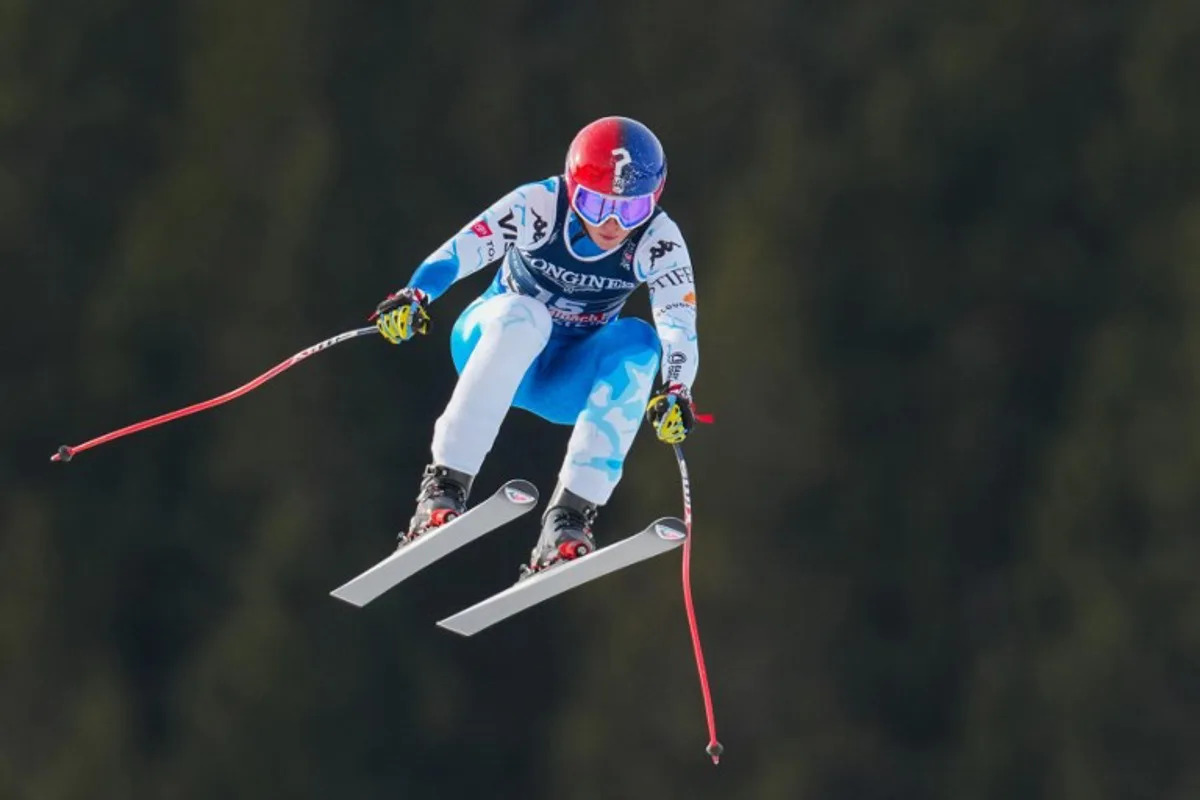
509	313
643	333
638	341
508	321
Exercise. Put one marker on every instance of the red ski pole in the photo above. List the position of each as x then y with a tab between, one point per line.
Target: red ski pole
715	748
66	452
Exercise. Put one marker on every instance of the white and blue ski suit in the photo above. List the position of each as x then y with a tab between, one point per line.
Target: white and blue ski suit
547	334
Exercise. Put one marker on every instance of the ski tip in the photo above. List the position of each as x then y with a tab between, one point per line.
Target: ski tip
521	492
345	598
447	624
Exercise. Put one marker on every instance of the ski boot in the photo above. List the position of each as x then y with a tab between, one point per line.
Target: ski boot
566	532
443	497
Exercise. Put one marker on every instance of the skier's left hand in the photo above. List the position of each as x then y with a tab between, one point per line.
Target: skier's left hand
671	414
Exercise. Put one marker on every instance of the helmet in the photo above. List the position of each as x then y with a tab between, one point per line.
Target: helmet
615	157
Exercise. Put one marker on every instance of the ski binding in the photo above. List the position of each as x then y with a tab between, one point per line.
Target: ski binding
509	502
659	537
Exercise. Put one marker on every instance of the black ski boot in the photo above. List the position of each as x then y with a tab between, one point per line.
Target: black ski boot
566	531
443	497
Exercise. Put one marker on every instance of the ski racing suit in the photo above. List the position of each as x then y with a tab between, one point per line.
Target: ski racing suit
547	335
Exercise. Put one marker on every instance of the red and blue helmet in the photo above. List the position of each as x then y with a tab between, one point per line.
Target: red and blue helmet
615	168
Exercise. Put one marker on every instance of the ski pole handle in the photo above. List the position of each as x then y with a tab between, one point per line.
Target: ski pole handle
67	452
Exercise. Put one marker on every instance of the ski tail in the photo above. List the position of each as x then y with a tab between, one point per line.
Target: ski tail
510	501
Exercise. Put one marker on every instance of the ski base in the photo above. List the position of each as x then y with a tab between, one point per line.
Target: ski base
659	537
509	502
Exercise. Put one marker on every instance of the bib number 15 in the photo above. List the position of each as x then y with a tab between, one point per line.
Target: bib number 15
560	303
569	306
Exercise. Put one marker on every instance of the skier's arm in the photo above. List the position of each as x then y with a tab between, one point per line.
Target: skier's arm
486	238
664	264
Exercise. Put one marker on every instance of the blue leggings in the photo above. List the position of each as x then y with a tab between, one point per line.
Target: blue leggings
598	381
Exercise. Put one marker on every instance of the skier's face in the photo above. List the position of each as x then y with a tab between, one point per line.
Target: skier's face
608	234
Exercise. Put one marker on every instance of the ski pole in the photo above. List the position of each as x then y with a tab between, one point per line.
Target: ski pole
715	748
67	452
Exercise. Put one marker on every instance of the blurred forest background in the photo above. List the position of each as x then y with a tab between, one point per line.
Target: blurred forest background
946	539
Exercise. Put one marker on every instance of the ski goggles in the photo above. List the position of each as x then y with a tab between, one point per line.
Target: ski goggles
628	211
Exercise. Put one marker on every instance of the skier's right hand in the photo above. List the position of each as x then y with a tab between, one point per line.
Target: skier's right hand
402	314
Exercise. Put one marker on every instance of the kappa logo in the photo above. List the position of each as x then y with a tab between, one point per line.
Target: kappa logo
659	250
519	497
539	226
668	534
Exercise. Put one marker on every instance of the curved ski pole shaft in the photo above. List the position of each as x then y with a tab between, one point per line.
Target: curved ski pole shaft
715	748
66	452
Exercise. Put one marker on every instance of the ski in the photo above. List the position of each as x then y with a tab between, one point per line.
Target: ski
509	502
658	538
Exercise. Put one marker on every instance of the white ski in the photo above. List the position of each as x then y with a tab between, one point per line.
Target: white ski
509	502
662	535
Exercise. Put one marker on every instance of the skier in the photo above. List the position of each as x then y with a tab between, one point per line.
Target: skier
546	335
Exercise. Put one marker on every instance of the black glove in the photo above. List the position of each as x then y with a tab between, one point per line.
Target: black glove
402	314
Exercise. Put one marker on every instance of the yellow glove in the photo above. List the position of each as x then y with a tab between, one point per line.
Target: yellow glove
670	414
402	314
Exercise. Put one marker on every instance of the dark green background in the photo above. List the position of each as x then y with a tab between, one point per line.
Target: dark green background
946	539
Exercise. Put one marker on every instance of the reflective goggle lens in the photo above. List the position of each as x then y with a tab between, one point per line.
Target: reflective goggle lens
629	211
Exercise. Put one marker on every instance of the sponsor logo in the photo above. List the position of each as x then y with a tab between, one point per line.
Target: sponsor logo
517	496
659	250
508	224
481	229
575	314
571	281
539	226
573	319
676	277
676	361
627	258
668	534
690	298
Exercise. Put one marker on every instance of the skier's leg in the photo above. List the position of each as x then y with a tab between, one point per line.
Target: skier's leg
604	382
493	343
625	358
